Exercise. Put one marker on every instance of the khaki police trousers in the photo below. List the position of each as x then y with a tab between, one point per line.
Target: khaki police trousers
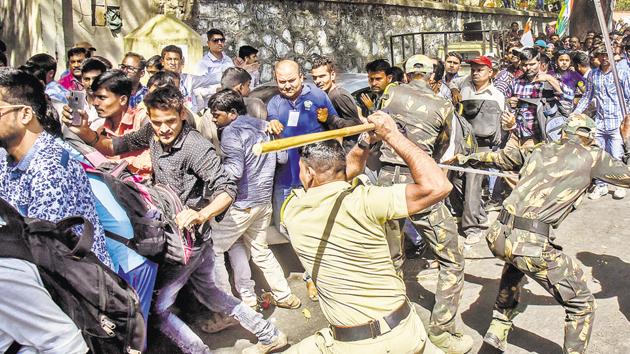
527	253
409	337
438	228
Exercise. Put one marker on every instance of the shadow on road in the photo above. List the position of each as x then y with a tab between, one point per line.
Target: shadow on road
613	274
479	316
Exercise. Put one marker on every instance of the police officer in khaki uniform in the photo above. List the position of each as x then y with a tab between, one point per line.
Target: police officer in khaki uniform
337	229
426	120
553	178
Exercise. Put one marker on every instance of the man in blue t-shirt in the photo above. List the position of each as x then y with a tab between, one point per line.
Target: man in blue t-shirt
300	108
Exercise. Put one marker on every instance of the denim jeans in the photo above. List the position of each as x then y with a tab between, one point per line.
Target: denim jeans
200	272
612	143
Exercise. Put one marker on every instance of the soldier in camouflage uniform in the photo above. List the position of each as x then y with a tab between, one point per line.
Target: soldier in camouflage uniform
553	178
425	119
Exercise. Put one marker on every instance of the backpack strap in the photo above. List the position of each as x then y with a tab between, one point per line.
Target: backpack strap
14	348
125	241
327	230
83	245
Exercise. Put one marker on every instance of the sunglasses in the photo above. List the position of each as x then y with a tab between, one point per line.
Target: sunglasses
218	40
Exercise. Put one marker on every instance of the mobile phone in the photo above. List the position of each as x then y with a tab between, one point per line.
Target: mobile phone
77	102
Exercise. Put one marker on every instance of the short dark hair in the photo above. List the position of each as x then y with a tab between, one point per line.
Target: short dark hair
513	23
211	32
320	61
140	58
246	50
398	75
234	76
114	81
545	59
165	98
324	156
581	58
39	65
378	65
163	78
439	69
172	49
528	54
20	87
227	101
92	64
108	64
78	50
456	55
156	61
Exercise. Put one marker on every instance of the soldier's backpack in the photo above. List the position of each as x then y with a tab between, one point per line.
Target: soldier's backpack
102	305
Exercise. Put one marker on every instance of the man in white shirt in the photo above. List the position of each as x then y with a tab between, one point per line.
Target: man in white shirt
213	64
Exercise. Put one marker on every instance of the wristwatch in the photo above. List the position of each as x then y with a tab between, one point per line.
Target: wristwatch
362	142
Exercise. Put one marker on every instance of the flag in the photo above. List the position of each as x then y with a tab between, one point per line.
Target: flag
527	39
562	25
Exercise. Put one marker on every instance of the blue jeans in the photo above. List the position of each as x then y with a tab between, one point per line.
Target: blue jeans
200	272
612	143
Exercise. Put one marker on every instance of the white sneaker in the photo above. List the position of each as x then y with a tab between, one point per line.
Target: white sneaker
280	341
620	193
598	192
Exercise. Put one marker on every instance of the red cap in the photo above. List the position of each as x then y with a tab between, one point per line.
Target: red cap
481	60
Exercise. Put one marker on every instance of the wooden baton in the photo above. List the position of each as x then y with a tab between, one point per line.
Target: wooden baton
305	139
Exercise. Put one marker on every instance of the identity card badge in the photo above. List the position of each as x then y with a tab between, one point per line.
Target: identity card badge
294	116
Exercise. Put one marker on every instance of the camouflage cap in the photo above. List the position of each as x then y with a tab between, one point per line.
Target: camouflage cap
577	123
419	64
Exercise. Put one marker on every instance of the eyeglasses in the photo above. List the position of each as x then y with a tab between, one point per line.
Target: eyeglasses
131	69
10	107
218	40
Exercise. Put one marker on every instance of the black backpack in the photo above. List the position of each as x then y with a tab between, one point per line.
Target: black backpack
150	208
102	305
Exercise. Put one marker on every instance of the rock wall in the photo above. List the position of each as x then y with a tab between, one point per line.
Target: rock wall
352	32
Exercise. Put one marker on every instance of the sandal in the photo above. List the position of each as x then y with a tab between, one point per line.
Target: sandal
218	323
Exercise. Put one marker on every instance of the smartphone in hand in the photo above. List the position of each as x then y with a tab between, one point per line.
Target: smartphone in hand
77	102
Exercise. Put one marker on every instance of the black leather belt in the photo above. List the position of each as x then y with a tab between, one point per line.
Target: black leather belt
392	168
517	222
371	329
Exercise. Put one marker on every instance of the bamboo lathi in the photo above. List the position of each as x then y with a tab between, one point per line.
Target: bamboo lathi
301	140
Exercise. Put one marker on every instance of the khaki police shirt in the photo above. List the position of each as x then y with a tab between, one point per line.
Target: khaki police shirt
356	280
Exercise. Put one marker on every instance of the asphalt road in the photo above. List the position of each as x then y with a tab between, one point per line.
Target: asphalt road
596	235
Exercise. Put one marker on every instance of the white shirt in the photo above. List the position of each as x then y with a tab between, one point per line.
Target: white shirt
29	316
212	68
469	92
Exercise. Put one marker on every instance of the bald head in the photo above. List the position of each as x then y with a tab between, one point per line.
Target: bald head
289	78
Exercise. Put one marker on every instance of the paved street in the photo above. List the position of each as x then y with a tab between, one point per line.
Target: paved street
595	235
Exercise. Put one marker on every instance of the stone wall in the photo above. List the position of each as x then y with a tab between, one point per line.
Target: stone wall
352	32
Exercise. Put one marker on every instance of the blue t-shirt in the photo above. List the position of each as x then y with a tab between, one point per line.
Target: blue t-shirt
310	100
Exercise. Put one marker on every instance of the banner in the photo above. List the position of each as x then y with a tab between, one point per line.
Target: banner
528	38
562	25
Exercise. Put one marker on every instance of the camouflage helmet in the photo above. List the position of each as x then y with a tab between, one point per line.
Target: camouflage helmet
578	123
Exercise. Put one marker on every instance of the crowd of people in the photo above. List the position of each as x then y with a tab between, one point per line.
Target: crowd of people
354	209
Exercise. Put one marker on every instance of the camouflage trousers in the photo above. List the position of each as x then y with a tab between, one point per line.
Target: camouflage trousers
439	229
527	253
